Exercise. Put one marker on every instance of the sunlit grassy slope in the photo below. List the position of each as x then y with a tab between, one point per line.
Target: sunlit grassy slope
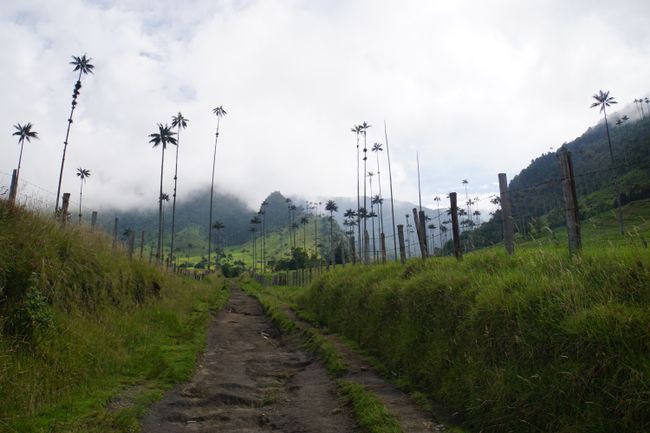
89	338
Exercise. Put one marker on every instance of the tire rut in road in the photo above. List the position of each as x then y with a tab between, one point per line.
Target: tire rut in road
250	379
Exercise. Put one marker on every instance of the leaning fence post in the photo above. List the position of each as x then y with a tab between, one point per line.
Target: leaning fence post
402	247
13	189
454	225
506	211
93	219
571	203
64	207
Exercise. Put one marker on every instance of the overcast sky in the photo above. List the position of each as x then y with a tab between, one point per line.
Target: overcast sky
476	87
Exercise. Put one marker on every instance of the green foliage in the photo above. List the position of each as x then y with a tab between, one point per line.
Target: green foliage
536	342
84	328
371	415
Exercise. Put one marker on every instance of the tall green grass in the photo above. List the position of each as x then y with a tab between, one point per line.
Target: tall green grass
539	342
87	337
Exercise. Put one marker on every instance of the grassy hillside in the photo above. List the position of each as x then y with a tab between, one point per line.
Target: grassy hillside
88	338
537	342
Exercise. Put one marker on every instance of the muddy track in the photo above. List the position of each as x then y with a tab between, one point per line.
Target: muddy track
250	379
411	417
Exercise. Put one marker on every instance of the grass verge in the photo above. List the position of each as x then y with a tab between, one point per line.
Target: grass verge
88	339
536	342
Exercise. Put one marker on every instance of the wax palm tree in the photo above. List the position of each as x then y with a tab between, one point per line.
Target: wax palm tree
178	122
437	200
331	207
364	130
255	221
83	175
304	221
219	112
163	137
432	227
377	147
640	102
23	132
603	100
218	226
370	175
358	129
83	65
263	213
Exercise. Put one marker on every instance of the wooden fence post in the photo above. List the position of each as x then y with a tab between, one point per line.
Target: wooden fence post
571	202
141	244
423	228
117	220
506	211
454	225
64	207
13	188
402	247
93	220
353	250
382	237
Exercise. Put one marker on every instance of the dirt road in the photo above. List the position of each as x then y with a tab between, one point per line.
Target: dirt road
251	380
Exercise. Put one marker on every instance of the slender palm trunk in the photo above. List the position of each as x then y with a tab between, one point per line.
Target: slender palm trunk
365	208
381	214
214	161
20	158
65	147
331	261
392	205
619	212
264	241
358	199
439	225
178	142
160	207
81	192
372	223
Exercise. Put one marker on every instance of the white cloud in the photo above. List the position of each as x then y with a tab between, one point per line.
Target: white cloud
476	89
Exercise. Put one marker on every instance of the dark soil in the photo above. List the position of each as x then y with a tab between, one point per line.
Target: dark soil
251	379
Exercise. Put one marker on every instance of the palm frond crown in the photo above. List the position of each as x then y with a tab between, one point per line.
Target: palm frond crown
24	132
82	64
163	137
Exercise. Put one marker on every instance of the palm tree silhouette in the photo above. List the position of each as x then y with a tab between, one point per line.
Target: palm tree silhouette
255	221
603	100
437	200
218	226
263	213
358	129
304	221
163	137
219	112
331	207
178	122
83	65
377	147
364	130
640	101
24	132
83	175
164	198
